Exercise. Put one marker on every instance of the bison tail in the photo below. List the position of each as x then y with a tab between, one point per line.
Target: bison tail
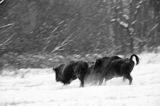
137	58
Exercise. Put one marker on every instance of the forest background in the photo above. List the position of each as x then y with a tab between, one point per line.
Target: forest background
43	33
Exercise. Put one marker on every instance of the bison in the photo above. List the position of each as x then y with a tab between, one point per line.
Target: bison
114	66
65	73
98	69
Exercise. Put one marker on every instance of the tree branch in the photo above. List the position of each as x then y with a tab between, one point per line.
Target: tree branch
64	43
7	41
7	25
1	1
152	29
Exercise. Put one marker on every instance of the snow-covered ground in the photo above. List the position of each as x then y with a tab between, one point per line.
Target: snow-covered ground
37	87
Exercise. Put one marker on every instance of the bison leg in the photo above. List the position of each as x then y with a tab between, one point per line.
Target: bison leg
124	79
82	83
101	81
129	78
81	78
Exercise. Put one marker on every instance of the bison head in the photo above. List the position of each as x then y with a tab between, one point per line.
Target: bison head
58	72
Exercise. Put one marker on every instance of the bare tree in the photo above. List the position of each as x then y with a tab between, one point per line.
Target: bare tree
64	43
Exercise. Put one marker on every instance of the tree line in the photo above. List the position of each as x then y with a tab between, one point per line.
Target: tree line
79	26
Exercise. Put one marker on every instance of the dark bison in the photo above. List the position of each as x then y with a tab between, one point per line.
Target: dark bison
115	66
65	73
104	62
98	69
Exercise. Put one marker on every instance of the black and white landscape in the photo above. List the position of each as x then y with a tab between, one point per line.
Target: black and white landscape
37	87
38	35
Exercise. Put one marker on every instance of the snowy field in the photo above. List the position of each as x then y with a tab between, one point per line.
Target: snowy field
37	87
